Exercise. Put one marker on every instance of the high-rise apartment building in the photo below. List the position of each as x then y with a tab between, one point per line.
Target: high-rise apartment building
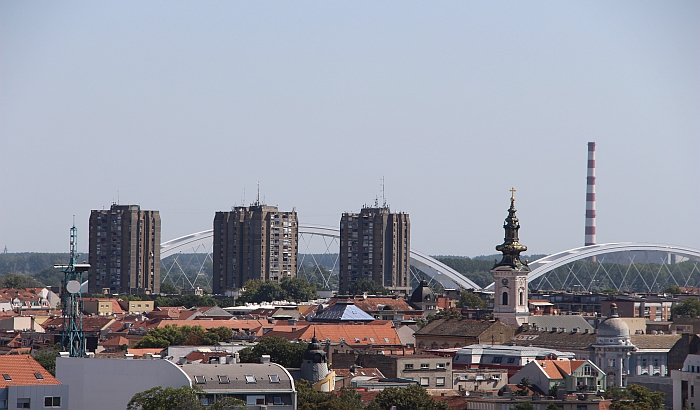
124	250
375	244
253	242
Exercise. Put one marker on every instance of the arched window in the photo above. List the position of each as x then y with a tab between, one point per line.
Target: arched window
505	299
521	298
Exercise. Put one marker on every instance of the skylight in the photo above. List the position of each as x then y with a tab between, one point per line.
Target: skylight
249	378
38	376
7	377
274	378
200	379
224	379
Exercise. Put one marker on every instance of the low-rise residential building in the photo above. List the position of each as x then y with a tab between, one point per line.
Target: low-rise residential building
444	333
570	376
510	358
27	385
686	384
109	384
429	371
135	307
589	402
479	380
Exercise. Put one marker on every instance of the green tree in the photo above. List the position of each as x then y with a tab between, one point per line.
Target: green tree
187	301
168	398
553	406
675	289
523	387
17	281
410	398
298	289
636	397
168	288
687	307
524	405
47	357
367	285
281	351
443	314
468	299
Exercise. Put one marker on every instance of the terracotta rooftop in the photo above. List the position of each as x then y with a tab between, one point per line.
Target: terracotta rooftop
23	370
353	335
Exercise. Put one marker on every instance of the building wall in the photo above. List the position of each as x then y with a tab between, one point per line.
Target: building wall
109	384
375	244
479	380
124	255
36	396
255	242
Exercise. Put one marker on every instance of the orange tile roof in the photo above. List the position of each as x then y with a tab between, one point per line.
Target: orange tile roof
568	366
550	369
353	335
143	351
22	369
116	341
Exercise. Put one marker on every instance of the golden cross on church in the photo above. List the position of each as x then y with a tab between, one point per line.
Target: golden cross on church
512	194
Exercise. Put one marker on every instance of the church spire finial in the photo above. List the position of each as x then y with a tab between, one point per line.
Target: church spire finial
511	247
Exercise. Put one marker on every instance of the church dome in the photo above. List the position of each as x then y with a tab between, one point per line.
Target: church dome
613	326
423	293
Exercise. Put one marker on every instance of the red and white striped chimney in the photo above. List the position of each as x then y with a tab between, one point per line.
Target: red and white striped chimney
590	196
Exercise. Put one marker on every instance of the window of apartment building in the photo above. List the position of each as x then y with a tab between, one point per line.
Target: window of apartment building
440	381
425	366
408	366
24	404
497	359
587	370
692	390
277	400
425	381
510	360
440	365
52	401
581	407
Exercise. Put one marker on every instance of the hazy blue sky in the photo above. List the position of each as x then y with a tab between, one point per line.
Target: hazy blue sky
182	106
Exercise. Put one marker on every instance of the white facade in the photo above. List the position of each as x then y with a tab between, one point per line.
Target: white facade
686	384
510	301
109	384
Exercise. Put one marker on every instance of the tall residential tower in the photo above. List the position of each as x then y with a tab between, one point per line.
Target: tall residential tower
124	250
253	242
375	244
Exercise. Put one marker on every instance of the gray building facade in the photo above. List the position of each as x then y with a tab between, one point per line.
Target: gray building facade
124	250
375	244
253	242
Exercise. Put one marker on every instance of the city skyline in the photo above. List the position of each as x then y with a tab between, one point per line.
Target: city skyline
184	108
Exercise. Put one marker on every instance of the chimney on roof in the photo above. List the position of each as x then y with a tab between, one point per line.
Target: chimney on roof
265	358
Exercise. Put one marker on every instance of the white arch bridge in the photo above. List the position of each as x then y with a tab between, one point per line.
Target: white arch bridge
610	252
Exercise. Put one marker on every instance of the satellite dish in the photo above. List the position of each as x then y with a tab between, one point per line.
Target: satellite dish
73	286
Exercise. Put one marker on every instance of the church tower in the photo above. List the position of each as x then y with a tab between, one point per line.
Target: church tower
510	274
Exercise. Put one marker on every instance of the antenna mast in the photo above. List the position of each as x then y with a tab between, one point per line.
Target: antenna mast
72	336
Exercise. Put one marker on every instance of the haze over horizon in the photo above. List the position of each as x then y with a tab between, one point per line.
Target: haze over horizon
184	107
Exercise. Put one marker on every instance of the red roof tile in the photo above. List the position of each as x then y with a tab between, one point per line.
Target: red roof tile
21	369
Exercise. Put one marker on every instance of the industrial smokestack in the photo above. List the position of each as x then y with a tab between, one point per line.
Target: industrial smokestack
590	196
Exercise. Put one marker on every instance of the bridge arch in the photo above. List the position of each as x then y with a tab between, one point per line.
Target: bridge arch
547	264
433	268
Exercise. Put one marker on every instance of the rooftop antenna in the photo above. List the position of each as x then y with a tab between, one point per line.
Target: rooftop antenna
117	204
5	251
72	336
383	197
257	200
